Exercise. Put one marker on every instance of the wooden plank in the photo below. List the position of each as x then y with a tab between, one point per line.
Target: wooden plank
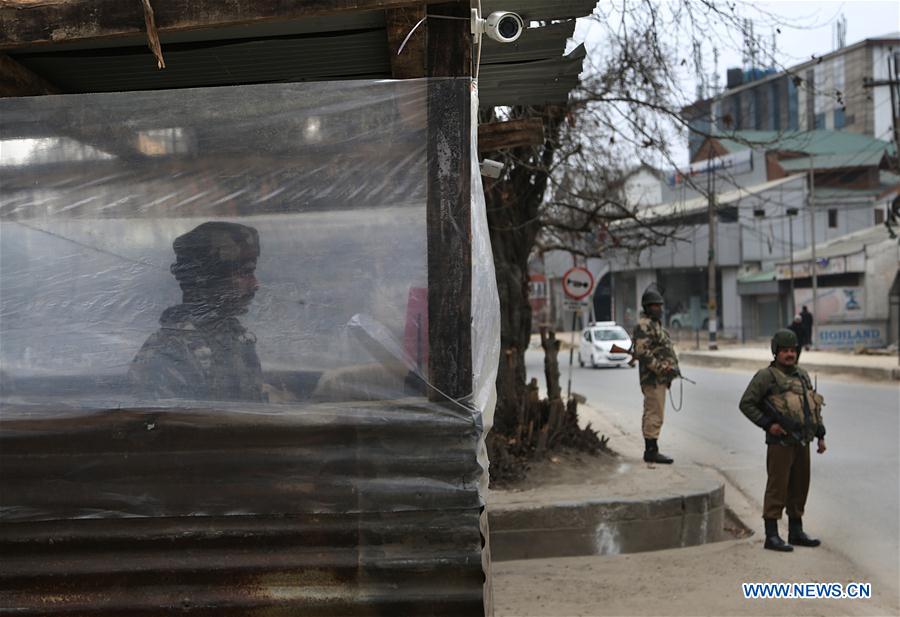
410	62
26	22
350	55
510	134
449	54
16	80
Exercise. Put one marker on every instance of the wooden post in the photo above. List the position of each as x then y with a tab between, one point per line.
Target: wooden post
448	54
410	62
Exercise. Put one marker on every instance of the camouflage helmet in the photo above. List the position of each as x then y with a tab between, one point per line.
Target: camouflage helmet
212	251
651	296
784	338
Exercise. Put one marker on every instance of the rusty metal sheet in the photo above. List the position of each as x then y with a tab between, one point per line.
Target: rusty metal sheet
101	512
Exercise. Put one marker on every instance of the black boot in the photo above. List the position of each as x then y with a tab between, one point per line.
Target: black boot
652	455
773	540
797	536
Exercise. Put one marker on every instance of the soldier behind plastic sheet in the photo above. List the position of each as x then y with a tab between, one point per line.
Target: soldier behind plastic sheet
201	350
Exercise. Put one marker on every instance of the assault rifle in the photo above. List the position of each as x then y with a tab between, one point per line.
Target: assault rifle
794	429
616	349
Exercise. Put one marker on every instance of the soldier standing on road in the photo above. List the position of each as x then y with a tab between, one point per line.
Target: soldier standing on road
658	366
781	400
201	350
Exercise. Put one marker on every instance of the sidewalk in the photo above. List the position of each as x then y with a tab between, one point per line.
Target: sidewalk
753	356
557	514
882	368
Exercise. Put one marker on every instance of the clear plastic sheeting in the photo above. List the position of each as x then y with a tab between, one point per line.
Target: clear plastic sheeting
214	302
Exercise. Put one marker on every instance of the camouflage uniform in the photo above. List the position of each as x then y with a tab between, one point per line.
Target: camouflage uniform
784	395
187	358
201	350
787	458
658	366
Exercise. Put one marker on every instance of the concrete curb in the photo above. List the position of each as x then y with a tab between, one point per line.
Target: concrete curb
608	526
725	361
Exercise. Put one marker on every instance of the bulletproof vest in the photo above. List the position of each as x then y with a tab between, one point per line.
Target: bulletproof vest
787	397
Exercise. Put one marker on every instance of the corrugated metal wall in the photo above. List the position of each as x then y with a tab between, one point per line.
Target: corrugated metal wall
325	509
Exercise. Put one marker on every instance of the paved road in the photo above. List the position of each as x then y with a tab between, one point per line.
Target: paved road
854	501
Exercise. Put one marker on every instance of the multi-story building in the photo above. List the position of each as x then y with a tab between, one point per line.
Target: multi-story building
826	92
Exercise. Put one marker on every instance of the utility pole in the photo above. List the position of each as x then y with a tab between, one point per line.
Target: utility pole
711	263
792	212
893	84
812	239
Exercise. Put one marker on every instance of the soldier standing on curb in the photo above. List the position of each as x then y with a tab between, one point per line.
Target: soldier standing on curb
201	351
781	400
658	366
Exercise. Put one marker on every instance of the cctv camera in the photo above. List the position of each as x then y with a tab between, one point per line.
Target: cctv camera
502	26
491	169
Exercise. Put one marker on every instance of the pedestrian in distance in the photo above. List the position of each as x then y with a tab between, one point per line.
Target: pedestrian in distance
657	366
806	319
782	401
799	331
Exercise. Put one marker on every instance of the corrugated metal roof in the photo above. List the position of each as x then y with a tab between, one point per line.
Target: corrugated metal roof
541	10
533	83
299	58
695	205
822	144
846	245
350	46
537	43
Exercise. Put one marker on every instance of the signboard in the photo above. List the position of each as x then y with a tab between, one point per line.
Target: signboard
824	265
736	163
851	335
835	304
578	283
575	305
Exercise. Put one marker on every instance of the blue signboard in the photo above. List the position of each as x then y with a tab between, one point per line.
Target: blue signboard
851	335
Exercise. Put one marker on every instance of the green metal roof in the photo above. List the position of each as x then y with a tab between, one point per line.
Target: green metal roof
829	149
758	277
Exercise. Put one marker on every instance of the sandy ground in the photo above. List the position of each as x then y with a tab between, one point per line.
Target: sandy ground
701	580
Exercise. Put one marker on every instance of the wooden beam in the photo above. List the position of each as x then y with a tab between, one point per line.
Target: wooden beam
410	63
16	80
29	22
510	134
449	53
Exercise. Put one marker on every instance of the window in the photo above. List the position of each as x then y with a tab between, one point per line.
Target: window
819	121
879	216
840	119
610	334
832	218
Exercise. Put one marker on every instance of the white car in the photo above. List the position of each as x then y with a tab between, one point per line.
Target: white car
596	341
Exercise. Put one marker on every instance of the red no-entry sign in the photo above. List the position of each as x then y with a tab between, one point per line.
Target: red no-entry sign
578	283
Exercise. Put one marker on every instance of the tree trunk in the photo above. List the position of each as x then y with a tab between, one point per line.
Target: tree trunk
513	208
